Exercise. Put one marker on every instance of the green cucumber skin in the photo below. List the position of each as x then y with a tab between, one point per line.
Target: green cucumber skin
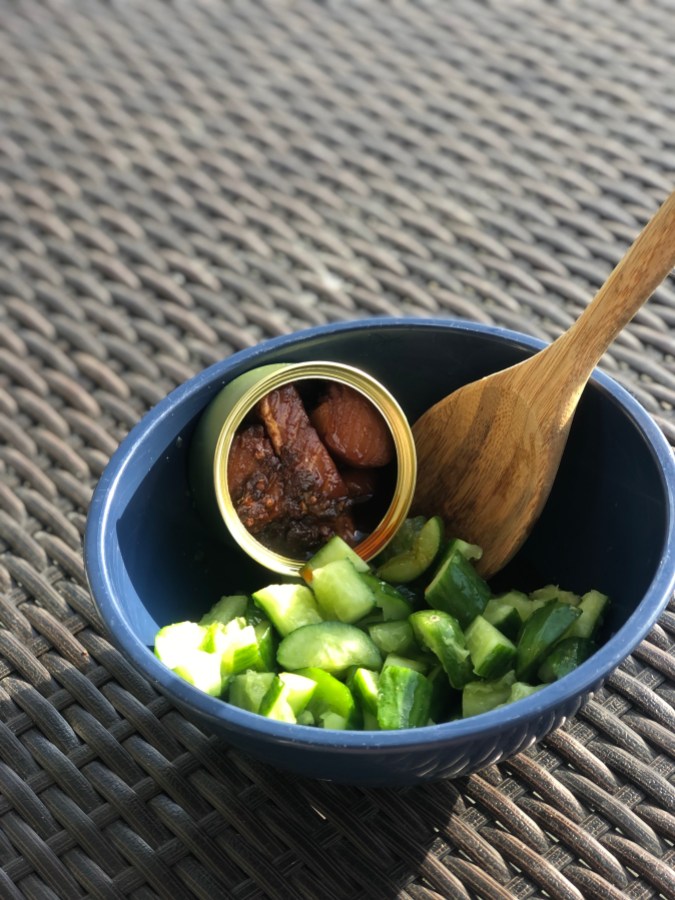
410	564
441	633
393	604
403	699
364	685
458	589
482	696
492	653
341	592
227	608
567	654
289	606
332	646
330	696
592	606
248	689
541	631
334	549
394	637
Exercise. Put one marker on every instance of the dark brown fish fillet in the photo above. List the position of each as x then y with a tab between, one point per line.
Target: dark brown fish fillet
352	428
313	482
255	479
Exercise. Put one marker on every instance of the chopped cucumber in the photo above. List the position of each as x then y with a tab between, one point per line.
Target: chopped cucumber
202	670
248	689
341	593
332	646
482	696
403	698
364	685
267	646
492	653
504	616
457	588
519	601
405	662
541	631
553	592
173	641
236	645
410	564
330	697
342	648
468	551
227	608
287	696
441	633
289	606
403	540
443	696
393	637
391	601
334	549
567	654
592	606
520	690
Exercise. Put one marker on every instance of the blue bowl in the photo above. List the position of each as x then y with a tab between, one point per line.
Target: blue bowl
609	525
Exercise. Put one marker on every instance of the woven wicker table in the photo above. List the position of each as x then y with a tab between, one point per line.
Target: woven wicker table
181	181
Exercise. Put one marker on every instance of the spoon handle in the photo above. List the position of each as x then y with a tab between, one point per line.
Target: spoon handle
646	263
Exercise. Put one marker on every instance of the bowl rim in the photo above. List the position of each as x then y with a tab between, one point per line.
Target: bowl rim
582	681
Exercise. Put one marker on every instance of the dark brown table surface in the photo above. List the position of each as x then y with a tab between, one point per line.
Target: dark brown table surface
179	181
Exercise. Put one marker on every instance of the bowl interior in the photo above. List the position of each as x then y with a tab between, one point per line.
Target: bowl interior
604	526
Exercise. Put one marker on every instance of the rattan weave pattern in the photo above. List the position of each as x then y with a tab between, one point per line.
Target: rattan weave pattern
178	181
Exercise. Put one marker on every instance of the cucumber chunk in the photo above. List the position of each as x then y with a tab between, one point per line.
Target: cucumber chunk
364	686
248	689
503	616
403	698
394	637
391	602
482	696
227	608
443	696
287	696
236	645
405	662
330	698
334	549
332	646
403	540
567	654
202	670
441	633
341	593
492	653
457	588
289	606
173	642
553	592
542	630
520	690
519	601
410	564
592	606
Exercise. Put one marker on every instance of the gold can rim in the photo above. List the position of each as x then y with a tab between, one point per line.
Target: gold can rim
389	408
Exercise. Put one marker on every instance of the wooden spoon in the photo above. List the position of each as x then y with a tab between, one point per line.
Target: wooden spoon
489	452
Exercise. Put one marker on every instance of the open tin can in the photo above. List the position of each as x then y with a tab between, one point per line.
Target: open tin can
232	406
